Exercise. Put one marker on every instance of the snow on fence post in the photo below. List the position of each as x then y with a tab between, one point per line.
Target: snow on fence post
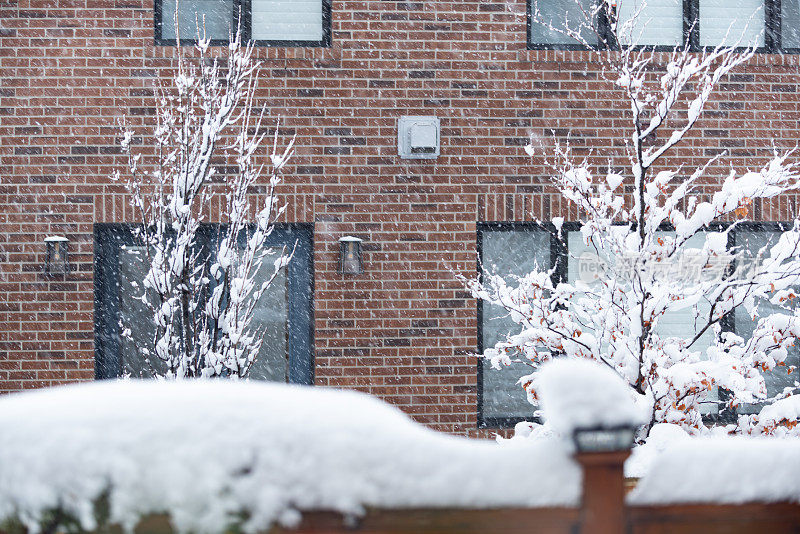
593	404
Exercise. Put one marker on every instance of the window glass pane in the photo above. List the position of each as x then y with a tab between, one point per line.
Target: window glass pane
650	22
583	263
561	14
269	318
582	260
682	323
790	23
218	18
750	243
508	253
282	314
727	22
136	315
287	20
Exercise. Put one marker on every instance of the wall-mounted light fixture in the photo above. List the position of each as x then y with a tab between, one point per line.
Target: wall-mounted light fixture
57	258
350	255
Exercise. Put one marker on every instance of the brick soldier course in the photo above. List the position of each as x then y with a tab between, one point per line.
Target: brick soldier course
404	330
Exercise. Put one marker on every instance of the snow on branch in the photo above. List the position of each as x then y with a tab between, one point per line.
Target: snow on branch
203	297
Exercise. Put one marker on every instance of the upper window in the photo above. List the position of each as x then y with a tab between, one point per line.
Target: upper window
769	25
282	315
265	22
518	248
789	24
651	22
727	23
554	17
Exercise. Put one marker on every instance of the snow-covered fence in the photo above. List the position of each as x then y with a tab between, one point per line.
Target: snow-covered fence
209	456
205	452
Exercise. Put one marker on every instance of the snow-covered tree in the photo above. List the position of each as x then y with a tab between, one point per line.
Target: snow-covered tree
203	298
658	243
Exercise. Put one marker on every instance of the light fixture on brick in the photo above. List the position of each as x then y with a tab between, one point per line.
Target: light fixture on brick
350	255
57	258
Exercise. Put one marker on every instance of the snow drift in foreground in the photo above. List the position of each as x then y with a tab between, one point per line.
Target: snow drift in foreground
205	451
662	436
722	470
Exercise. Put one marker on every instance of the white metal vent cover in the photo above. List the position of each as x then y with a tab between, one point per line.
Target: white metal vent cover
418	137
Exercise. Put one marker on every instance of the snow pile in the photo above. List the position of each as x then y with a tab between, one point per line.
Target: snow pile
578	393
205	451
662	436
723	470
528	431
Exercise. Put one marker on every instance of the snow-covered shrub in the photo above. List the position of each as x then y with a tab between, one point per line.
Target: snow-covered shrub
638	225
202	298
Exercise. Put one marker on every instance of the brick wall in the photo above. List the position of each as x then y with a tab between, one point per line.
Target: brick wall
405	330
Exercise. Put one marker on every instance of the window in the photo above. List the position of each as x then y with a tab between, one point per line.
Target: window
560	14
749	241
673	323
651	22
770	25
266	22
283	312
519	248
729	23
508	249
789	24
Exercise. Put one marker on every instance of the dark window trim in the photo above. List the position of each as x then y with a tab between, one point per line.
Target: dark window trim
108	237
558	253
243	7
691	32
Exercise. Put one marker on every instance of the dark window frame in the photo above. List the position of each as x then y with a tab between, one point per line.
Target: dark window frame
559	259
691	31
110	237
243	7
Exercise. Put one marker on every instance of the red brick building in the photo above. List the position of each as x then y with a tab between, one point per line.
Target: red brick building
340	78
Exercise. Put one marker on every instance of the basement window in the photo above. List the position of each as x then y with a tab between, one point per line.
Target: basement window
265	22
750	242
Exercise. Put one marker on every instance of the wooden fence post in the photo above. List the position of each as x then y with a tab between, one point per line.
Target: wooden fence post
603	499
